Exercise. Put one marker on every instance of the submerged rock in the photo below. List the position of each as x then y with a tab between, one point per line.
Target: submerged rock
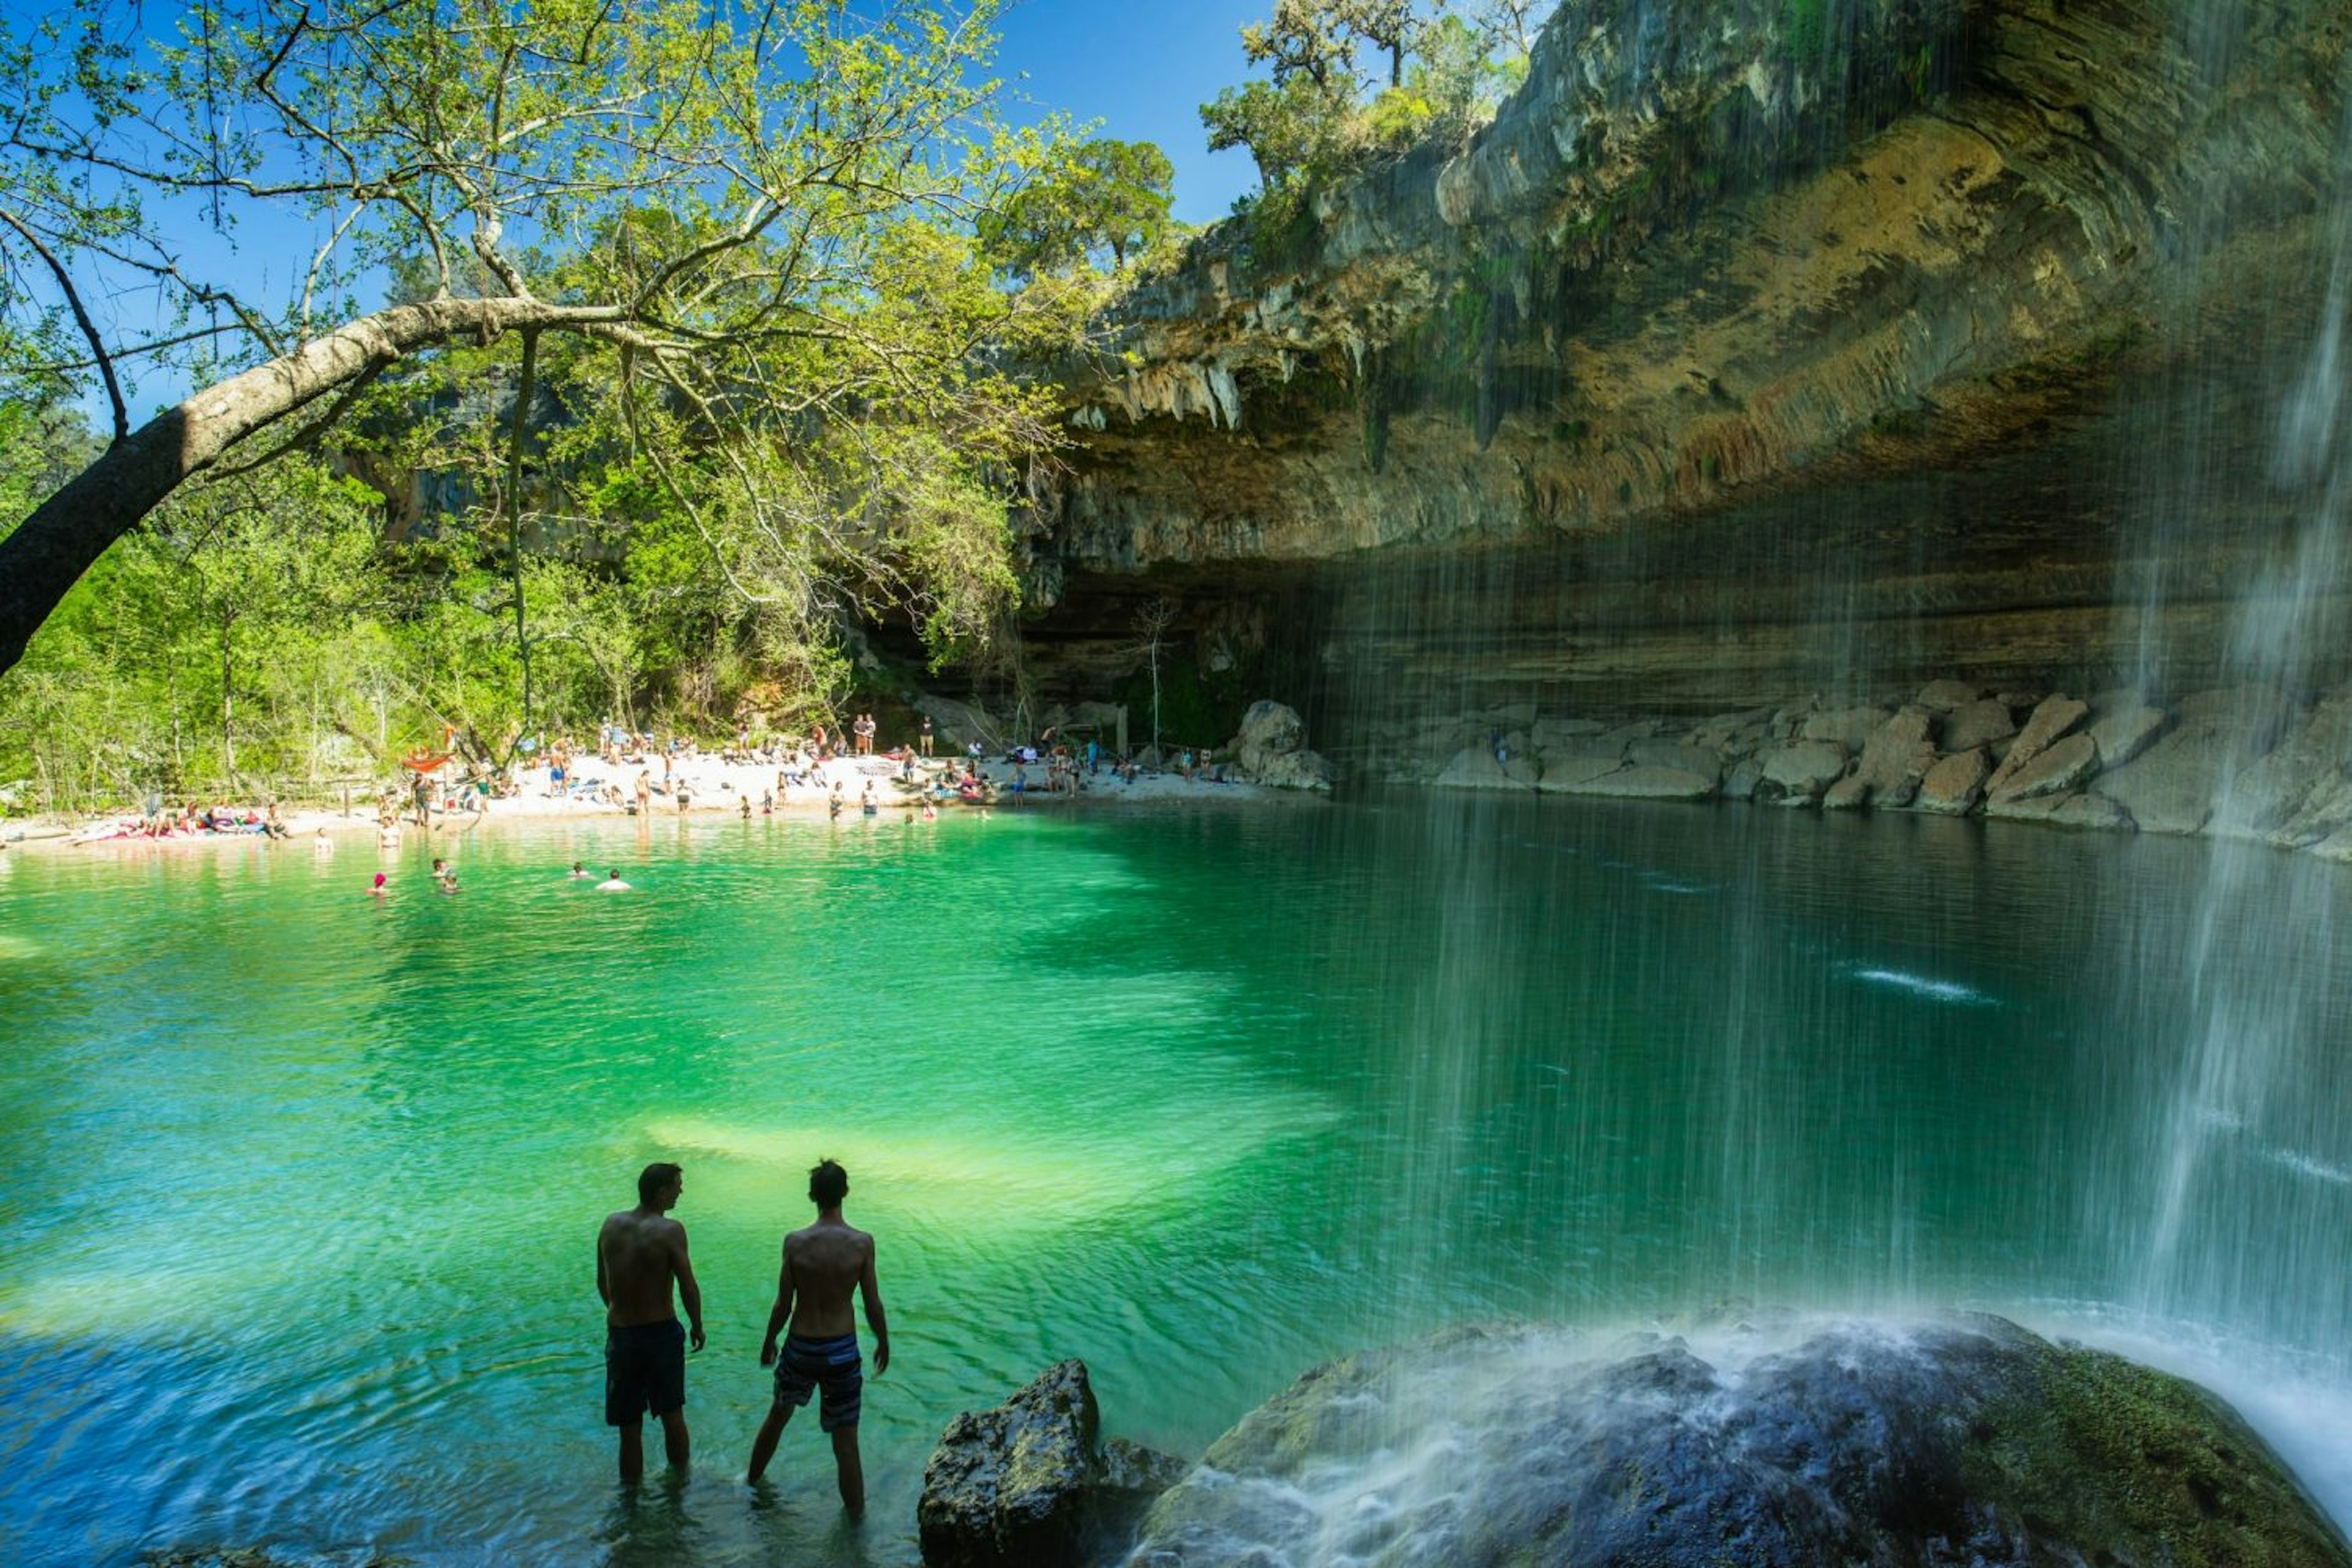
256	1557
1025	1486
1970	1441
1642	782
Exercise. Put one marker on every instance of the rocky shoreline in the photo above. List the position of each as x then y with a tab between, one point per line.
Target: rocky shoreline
1766	1439
2241	762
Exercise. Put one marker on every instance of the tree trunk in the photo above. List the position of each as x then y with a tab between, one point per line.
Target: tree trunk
228	700
524	391
67	533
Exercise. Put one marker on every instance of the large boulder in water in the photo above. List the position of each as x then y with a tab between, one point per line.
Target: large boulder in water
1025	1486
1969	1441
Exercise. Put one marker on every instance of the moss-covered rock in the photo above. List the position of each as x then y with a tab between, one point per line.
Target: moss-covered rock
1966	1441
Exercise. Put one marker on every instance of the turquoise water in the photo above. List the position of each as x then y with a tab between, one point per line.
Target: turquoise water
297	1230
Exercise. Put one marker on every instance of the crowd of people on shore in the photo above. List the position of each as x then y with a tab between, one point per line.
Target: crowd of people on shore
191	822
637	774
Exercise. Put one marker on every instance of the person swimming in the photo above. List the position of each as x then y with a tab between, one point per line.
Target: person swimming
579	872
613	884
375	889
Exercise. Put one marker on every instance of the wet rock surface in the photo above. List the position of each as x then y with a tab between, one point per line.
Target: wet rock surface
1026	1484
1968	1441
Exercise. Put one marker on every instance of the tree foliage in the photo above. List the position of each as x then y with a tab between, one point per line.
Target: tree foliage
1445	65
1109	195
744	237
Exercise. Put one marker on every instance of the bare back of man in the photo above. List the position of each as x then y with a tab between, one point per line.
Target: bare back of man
640	1254
824	1265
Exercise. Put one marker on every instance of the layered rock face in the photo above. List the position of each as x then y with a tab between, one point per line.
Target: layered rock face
1756	350
1971	1441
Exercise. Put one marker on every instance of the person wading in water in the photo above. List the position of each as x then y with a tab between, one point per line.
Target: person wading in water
822	1264
638	1253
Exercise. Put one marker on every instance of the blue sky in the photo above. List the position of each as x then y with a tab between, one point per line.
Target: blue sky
1139	68
1143	68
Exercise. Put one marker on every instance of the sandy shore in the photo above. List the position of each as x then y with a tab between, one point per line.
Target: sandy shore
713	788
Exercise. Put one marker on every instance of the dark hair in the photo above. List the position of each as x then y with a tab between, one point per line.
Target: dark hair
654	1178
828	1185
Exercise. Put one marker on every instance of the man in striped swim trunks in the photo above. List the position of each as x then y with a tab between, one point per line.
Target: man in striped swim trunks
823	1263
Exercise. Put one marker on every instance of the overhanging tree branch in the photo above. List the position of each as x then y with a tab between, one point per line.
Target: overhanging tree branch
104	360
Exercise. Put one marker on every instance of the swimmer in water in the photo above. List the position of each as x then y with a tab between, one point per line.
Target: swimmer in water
375	890
613	884
579	872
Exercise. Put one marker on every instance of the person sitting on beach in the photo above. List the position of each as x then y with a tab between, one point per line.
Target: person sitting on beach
611	883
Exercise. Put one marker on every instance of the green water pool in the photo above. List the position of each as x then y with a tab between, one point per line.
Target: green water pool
304	1183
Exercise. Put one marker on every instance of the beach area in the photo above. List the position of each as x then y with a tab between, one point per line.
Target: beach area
700	785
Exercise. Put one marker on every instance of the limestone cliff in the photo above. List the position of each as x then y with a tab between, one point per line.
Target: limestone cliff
1754	350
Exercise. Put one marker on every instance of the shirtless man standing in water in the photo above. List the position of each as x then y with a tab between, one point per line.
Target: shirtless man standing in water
638	1253
822	1264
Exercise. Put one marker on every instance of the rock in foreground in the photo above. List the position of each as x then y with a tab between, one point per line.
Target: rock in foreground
1970	1441
1025	1484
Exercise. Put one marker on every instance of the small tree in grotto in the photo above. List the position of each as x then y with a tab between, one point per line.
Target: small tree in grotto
753	224
1152	624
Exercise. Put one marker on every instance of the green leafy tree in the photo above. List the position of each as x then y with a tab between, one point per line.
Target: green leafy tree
1110	194
1508	27
1453	86
711	200
1315	113
1291	128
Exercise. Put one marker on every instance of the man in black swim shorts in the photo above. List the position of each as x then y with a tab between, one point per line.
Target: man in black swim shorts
638	1253
822	1264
